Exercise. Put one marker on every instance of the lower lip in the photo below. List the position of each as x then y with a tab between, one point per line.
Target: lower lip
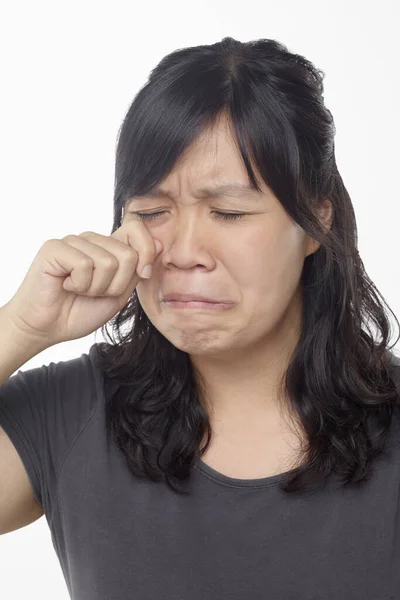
198	305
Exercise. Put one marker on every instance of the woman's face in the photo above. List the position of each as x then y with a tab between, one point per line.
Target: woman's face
253	261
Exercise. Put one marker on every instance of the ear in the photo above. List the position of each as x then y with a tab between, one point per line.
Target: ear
325	212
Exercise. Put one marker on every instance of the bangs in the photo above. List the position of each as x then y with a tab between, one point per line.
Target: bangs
179	104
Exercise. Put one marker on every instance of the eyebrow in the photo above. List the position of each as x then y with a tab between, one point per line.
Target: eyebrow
233	189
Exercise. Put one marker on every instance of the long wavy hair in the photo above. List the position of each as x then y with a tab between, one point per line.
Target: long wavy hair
338	380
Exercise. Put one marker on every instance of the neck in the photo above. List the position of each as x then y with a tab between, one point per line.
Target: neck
249	384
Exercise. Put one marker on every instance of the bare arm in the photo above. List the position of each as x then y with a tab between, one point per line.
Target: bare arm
18	506
15	347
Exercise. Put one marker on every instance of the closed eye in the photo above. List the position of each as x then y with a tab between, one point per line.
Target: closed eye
221	215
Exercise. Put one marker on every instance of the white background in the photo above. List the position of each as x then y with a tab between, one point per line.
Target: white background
69	71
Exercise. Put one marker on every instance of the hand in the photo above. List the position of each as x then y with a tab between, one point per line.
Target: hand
78	283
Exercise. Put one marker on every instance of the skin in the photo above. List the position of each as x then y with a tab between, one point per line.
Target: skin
255	262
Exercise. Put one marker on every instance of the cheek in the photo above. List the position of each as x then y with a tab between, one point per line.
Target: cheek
270	260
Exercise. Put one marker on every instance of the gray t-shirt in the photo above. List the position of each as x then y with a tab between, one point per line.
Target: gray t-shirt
119	537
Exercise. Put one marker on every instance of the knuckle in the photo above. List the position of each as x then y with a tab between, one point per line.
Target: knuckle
50	246
52	242
109	263
86	263
69	237
129	255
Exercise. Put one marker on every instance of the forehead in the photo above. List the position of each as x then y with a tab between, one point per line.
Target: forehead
214	189
213	167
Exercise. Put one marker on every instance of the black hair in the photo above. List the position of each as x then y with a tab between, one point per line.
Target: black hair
338	379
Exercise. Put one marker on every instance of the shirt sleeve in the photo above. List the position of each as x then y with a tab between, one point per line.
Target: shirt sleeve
43	410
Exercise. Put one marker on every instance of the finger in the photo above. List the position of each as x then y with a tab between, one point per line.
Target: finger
136	235
111	274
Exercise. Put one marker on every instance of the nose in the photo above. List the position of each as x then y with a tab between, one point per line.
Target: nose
188	241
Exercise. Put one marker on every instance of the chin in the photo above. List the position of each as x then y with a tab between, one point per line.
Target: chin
196	342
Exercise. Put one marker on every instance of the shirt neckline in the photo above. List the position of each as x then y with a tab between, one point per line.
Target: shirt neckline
233	481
